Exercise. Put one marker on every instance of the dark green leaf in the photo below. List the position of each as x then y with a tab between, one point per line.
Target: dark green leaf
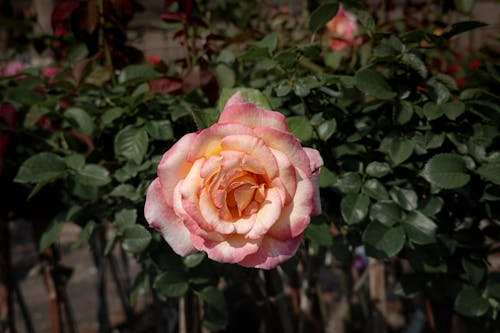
447	171
405	113
171	284
326	129
374	84
413	61
387	213
137	73
85	234
460	27
194	260
378	169
326	177
349	182
354	208
382	241
470	303
475	270
319	234
431	206
51	234
401	149
80	119
320	17
160	129
453	110
111	115
490	171
125	191
419	228
407	199
93	175
433	111
135	238
300	127
216	314
41	168
125	218
225	76
375	190
269	42
131	143
251	95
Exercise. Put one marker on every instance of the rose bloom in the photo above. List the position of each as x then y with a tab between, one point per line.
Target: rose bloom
343	28
242	190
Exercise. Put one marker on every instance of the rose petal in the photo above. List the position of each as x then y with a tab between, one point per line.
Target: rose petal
237	98
251	115
295	216
207	142
287	174
232	249
316	162
272	252
287	143
162	217
254	147
269	211
174	166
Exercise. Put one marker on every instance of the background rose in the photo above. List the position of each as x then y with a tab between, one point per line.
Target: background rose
343	28
242	190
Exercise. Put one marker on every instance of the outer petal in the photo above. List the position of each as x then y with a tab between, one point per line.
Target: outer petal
287	143
251	115
174	166
316	162
161	217
272	252
232	249
296	215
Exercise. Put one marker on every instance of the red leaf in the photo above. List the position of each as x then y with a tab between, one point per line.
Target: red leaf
62	11
8	114
165	85
173	17
83	138
188	7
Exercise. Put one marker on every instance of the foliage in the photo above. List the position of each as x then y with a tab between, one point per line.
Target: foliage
412	166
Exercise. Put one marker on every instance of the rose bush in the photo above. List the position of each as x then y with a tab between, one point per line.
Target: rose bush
242	190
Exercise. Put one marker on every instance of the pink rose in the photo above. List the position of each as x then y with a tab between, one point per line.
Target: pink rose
242	190
12	68
343	28
50	72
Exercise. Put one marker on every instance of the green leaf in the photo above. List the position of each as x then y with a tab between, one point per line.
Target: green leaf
419	228
470	303
373	84
302	86
80	119
160	129
171	284
93	175
349	182
194	260
383	242
85	234
216	314
490	171
301	127
405	198
387	213
354	207
446	171
225	76
131	143
321	15
413	61
41	168
475	270
400	149
378	169
251	95
341	248
269	42
125	218
433	111
125	191
375	190
319	234
75	161
326	129
453	110
405	114
431	206
460	27
326	177
137	73
135	238
51	234
109	116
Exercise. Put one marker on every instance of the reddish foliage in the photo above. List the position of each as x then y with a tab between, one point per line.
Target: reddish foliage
474	64
165	85
62	11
